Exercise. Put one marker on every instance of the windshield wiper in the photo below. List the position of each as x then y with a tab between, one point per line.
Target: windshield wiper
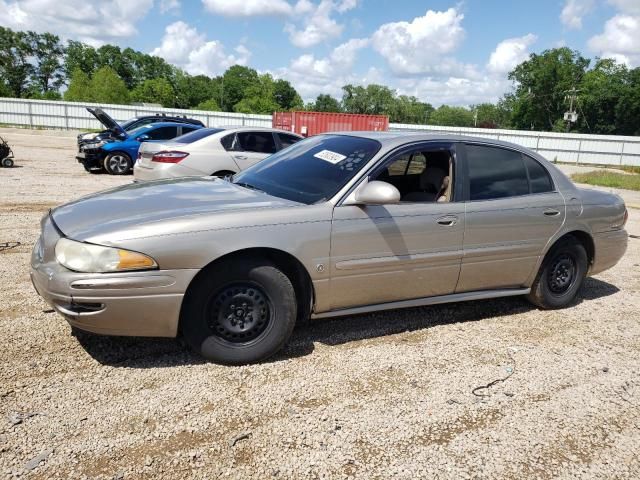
249	186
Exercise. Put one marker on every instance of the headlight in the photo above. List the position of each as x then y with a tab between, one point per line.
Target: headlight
89	258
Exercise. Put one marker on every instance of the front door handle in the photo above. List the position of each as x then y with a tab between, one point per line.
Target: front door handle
240	157
447	221
551	213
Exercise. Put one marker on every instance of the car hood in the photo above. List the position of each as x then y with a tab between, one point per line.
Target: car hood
106	120
157	208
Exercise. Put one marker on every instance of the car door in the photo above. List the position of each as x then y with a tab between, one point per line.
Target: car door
253	146
408	250
512	210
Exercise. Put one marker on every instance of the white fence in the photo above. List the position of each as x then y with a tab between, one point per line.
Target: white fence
563	147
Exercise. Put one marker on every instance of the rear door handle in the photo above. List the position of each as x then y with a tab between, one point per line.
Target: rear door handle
240	157
447	221
551	213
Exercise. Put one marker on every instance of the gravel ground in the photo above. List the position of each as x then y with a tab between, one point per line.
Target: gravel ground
388	395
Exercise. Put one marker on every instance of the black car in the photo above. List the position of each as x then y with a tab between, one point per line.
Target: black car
118	131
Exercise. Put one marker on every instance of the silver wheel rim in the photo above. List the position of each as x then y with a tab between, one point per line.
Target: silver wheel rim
118	164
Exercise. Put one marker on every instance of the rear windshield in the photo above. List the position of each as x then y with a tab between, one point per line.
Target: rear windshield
197	135
312	170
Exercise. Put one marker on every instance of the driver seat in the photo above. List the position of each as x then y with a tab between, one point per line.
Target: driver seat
433	182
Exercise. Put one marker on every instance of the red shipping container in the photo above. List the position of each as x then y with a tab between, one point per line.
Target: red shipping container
312	123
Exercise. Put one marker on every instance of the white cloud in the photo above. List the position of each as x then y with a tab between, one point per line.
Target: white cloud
620	40
454	90
509	53
108	20
248	8
417	46
169	6
185	47
573	11
631	7
318	23
312	76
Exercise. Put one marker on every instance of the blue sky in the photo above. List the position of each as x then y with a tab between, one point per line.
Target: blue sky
440	51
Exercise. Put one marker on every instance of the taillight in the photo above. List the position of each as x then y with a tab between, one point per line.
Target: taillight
139	154
626	217
169	157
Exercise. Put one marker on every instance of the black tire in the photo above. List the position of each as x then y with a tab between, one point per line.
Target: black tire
223	173
7	162
561	275
117	163
242	311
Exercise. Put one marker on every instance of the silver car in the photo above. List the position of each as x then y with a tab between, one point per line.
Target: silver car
337	224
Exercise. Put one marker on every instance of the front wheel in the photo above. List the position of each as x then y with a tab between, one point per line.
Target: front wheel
561	275
117	163
240	312
7	162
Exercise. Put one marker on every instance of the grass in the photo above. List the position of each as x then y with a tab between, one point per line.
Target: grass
608	179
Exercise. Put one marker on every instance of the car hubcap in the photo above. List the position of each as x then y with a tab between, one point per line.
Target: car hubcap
240	313
562	274
118	164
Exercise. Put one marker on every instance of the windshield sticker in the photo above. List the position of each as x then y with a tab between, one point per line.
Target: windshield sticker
329	156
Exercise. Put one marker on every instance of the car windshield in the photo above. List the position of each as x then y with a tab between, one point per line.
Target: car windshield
197	135
312	170
128	124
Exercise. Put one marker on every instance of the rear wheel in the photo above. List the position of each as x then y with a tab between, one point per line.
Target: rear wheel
561	275
117	163
223	173
242	312
7	162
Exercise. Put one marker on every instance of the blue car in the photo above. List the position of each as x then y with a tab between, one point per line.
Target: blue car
116	155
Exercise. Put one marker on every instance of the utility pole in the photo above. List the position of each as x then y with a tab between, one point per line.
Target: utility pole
571	116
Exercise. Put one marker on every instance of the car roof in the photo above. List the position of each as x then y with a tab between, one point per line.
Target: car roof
241	128
397	138
168	124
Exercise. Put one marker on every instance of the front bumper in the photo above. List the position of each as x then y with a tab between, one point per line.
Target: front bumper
145	304
91	160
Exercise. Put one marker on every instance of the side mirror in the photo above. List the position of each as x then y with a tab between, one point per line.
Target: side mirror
377	193
143	138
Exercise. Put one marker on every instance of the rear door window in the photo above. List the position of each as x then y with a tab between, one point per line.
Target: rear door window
287	140
538	176
495	173
258	142
229	142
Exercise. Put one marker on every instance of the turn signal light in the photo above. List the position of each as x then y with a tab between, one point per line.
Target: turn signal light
169	157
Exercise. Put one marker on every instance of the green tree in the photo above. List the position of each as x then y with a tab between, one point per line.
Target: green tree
108	87
628	107
490	115
600	92
373	99
79	89
286	96
47	58
15	61
234	84
448	116
193	90
209	105
326	103
157	90
259	97
408	109
542	84
111	56
81	56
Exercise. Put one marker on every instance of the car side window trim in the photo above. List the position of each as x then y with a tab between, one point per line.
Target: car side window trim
463	162
375	168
